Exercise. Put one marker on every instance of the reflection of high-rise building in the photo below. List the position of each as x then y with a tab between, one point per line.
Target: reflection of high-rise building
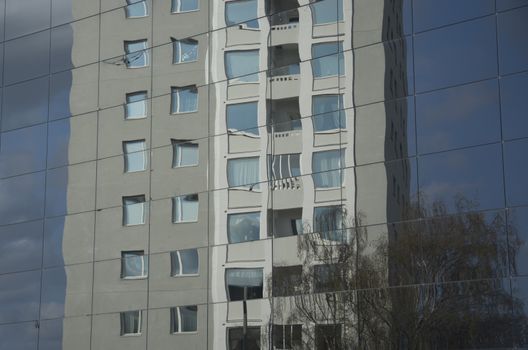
263	174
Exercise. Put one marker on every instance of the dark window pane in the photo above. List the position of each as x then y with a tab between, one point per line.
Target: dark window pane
286	280
433	13
458	117
236	336
513	45
465	180
328	337
514	104
516	172
239	279
456	54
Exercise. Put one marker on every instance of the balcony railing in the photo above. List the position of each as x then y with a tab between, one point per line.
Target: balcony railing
290	183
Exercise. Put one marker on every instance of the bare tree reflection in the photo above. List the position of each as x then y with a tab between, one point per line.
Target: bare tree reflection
424	284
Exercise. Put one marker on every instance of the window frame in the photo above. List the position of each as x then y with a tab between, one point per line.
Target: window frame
228	294
176	310
143	210
340	18
177	253
177	42
144	51
174	208
140	321
144	264
241	78
175	92
179	2
126	154
340	53
341	169
228	226
178	143
133	3
128	96
253	187
341	111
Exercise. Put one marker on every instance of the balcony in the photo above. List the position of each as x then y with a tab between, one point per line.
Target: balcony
286	222
284	74
286	126
284	27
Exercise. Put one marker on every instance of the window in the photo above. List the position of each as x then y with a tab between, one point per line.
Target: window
184	319
328	221
131	322
242	118
184	262
242	65
287	336
134	265
243	172
328	60
328	336
136	8
242	12
133	210
285	166
184	99
135	156
184	153
185	50
286	280
136	54
327	168
184	5
328	113
238	279
136	105
243	227
328	278
185	208
327	11
235	336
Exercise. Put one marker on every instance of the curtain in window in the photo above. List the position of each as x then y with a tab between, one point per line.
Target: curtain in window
136	8
135	157
327	11
243	117
327	113
327	59
328	221
323	165
243	227
184	154
134	264
243	172
136	54
184	5
130	322
184	99
240	65
184	262
133	210
185	208
185	50
242	11
136	106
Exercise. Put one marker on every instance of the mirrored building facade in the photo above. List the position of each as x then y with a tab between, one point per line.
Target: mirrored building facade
263	174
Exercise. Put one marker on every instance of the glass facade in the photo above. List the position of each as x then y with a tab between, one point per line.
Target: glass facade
263	174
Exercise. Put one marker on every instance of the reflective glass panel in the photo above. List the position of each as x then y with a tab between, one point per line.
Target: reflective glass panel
242	12
185	208
243	118
241	65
